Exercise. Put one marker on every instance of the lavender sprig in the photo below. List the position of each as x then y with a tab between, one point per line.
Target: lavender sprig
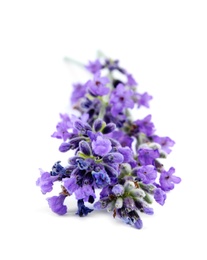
113	151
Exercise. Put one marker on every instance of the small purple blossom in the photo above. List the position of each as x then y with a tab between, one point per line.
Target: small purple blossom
124	139
97	86
105	192
101	146
94	66
63	127
121	98
71	184
57	169
147	174
82	209
79	91
56	204
147	156
131	81
167	179
113	65
145	125
45	181
84	193
81	126
127	154
62	132
160	196
101	178
143	99
165	142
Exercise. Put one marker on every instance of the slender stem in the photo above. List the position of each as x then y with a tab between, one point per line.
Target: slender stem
102	110
70	60
100	54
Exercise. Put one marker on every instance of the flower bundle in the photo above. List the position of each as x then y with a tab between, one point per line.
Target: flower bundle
113	153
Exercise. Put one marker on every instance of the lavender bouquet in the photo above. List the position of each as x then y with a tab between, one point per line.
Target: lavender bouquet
113	152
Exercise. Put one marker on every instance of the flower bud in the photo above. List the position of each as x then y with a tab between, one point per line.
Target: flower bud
119	203
82	164
138	224
110	207
148	211
113	158
109	128
85	148
114	142
129	185
125	168
73	160
148	199
118	190
137	193
129	204
111	171
98	123
74	142
64	147
82	127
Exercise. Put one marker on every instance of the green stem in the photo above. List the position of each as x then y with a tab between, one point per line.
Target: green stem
100	54
102	110
70	60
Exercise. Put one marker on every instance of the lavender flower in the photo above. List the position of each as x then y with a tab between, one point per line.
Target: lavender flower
113	65
97	86
143	99
113	158
160	196
101	146
118	190
82	209
71	184
84	193
147	174
56	204
147	156
101	178
45	181
145	125
62	131
79	91
63	127
167	179
124	139
127	154
165	142
94	66
121	98
131	81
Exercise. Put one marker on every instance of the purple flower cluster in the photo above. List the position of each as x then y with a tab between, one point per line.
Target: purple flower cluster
112	152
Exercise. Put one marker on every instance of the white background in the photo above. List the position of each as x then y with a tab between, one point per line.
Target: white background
163	44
